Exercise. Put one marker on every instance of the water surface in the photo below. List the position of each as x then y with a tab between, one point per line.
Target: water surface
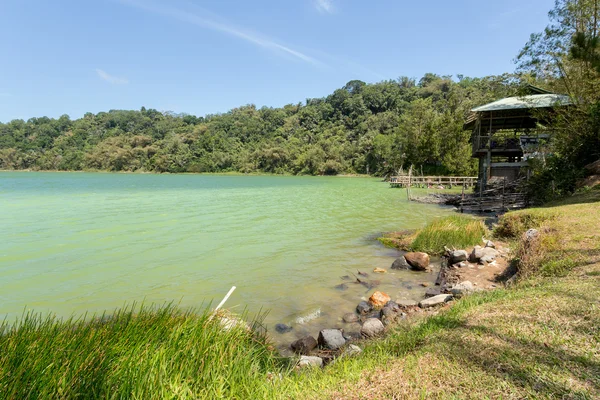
77	242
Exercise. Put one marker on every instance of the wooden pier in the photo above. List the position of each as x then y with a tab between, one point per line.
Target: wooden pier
432	181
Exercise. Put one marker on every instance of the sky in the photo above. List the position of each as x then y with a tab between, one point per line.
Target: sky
208	56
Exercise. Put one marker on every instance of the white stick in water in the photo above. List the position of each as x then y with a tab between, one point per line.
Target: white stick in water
225	298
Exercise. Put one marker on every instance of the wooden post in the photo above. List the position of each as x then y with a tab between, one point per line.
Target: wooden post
408	185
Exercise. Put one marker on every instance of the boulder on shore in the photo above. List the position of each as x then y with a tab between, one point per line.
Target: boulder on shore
417	260
406	303
304	345
483	254
435	300
372	327
364	307
350	317
462	288
400	263
331	339
458	256
309	361
379	299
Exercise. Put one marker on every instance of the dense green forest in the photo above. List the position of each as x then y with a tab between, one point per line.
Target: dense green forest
359	128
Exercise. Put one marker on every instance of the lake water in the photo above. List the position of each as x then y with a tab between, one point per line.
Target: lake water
77	242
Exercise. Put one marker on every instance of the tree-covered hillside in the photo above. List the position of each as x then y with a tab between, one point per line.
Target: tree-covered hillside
360	128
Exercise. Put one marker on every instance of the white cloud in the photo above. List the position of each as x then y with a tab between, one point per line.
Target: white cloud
110	78
219	26
324	6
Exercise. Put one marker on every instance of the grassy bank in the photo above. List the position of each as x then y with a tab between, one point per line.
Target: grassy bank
537	339
456	230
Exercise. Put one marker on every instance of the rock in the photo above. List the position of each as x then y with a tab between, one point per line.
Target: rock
462	288
489	243
378	299
231	322
282	328
350	317
434	291
406	303
417	261
483	254
364	307
435	300
380	270
531	234
351	350
351	336
331	339
388	315
462	264
458	256
393	305
304	345
308	361
400	263
341	286
371	328
425	284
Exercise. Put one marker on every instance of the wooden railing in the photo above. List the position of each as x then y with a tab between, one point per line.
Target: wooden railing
432	181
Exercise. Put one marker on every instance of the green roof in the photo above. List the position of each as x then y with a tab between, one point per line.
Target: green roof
524	102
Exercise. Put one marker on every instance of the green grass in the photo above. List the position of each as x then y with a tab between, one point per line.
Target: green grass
134	353
457	230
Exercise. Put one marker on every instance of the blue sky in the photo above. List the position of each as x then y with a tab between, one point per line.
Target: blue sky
207	56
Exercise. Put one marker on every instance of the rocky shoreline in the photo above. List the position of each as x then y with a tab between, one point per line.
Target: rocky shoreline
460	274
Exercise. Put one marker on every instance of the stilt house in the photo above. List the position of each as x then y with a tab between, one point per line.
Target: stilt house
507	132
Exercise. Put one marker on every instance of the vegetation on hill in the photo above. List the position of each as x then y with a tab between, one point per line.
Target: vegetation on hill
360	128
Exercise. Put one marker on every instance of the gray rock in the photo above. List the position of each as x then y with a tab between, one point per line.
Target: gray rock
489	243
400	263
435	300
354	335
341	287
364	307
406	303
434	291
282	328
462	288
308	361
350	317
484	254
393	305
371	328
531	234
352	350
331	339
458	256
304	345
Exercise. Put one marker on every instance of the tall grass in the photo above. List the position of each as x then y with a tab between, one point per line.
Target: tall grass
458	231
142	353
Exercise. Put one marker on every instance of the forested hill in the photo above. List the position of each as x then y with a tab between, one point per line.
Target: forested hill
360	128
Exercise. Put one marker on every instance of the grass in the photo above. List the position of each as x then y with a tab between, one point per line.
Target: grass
537	339
457	230
134	353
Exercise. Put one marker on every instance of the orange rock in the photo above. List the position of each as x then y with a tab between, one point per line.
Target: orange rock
380	270
379	299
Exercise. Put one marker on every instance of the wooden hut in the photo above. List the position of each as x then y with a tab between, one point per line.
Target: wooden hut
507	132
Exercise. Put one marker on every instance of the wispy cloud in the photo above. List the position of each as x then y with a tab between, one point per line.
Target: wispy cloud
221	26
115	80
324	6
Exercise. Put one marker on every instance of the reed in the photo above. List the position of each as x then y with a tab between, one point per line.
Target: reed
455	231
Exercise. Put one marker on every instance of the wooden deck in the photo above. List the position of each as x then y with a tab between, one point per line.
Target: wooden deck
427	181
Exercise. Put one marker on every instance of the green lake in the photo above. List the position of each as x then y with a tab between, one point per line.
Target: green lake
72	243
